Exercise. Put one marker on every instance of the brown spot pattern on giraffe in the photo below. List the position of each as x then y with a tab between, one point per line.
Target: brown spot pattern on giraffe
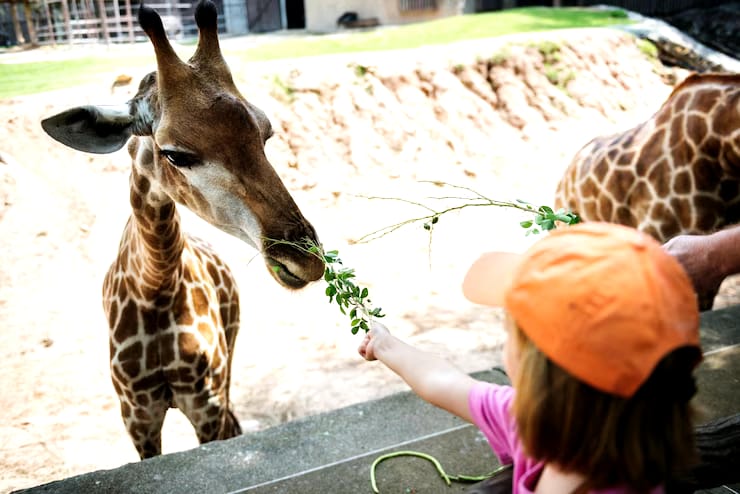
696	127
200	301
707	175
682	182
127	323
684	152
660	178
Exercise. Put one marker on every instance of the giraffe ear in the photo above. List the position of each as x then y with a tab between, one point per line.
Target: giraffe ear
91	129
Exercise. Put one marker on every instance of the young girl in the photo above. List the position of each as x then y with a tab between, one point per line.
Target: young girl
602	342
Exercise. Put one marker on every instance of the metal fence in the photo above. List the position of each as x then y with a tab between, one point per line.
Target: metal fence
113	21
92	21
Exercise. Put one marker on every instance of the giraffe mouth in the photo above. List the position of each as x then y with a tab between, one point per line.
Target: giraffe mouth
283	275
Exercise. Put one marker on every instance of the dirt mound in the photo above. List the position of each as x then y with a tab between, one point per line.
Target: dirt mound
7	184
500	116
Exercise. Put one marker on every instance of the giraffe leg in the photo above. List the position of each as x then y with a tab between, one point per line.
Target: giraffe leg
231	427
143	419
210	415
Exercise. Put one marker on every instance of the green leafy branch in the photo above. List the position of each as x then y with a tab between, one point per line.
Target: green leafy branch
546	219
349	296
544	216
352	299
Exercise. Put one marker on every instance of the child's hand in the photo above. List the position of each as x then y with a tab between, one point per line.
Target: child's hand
367	347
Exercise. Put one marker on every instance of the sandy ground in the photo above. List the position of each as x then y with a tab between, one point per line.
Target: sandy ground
61	217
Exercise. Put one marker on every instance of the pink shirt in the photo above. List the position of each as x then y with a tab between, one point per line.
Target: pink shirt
489	406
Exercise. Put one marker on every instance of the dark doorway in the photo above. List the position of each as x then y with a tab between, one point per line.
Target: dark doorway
295	14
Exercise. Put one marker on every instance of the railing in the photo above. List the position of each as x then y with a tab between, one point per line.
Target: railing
411	5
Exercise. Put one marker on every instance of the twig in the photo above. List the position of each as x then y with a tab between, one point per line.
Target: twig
544	217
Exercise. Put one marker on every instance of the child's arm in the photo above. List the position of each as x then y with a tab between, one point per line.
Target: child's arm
432	378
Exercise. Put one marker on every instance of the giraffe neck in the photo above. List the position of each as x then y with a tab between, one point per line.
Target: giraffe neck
153	240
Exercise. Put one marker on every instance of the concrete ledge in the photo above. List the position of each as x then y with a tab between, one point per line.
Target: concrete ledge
275	458
332	452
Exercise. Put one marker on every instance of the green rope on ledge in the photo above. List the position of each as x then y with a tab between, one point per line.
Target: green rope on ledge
447	478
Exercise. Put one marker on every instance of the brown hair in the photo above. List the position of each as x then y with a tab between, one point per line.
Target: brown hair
637	442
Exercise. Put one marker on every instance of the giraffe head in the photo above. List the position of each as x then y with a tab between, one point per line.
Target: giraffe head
201	144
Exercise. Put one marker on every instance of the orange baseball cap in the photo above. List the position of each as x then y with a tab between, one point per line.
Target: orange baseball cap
603	301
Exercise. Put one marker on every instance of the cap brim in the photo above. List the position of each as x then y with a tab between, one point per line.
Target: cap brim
490	277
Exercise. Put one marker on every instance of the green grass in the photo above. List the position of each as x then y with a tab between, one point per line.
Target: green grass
30	78
442	31
36	77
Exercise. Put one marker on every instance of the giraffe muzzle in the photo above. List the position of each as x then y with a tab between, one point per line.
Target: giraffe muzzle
296	276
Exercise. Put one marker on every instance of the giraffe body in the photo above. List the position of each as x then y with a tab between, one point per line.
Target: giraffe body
678	172
173	325
172	304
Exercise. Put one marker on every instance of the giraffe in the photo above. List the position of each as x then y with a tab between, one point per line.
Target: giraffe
678	172
172	304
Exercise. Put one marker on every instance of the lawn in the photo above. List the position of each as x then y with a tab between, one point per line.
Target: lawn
442	31
29	78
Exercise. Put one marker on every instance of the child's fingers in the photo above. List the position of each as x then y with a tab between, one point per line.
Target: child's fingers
365	350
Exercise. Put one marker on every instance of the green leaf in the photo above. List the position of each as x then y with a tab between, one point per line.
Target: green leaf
548	224
364	293
376	312
545	209
346	273
526	224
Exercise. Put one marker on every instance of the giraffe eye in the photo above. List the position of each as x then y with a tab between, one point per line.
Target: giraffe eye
180	159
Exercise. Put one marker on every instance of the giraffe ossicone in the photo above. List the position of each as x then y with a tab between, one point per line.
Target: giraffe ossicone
675	173
172	304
